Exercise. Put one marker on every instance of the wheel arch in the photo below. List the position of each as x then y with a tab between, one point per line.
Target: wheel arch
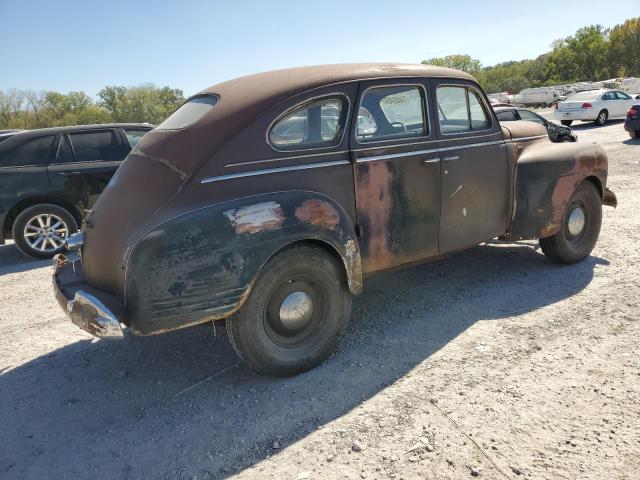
25	203
546	178
201	265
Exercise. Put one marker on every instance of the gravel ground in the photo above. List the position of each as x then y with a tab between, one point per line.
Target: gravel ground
492	363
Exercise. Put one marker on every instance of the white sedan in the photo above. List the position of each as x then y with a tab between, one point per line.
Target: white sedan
594	106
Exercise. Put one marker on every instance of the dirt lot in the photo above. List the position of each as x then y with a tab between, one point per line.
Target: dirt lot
493	363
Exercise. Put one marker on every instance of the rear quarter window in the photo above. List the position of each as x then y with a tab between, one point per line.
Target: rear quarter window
189	113
93	146
34	152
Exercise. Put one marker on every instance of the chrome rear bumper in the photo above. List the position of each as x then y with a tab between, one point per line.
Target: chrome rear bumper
81	303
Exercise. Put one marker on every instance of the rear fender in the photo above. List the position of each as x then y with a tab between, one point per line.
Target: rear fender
546	177
200	266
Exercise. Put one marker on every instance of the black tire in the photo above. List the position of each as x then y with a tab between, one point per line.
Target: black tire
634	134
26	245
566	123
602	118
564	139
259	333
566	247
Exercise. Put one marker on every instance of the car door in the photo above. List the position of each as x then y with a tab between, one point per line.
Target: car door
84	163
625	101
475	191
610	103
396	172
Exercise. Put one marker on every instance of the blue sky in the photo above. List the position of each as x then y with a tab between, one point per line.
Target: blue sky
69	45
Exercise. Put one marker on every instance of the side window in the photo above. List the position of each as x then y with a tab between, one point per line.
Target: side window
134	136
460	110
530	117
64	154
314	125
506	116
608	96
622	96
391	113
34	152
91	146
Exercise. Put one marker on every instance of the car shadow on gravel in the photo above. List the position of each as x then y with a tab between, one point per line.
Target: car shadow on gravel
590	125
12	261
136	409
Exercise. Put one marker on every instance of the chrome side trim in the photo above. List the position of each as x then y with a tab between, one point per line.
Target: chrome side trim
471	145
274	170
377	158
524	139
280	159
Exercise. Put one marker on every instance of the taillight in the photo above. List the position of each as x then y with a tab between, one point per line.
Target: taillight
587	105
633	110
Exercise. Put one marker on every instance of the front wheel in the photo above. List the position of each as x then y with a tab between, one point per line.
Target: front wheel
41	231
296	314
580	227
602	118
566	123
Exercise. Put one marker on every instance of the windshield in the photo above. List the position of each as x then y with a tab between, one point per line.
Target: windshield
189	113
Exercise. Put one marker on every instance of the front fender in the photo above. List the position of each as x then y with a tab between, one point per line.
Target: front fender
200	266
546	177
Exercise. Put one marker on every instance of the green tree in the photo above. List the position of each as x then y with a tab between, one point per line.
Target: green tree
457	61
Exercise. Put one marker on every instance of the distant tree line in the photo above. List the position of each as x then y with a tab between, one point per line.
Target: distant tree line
36	109
593	53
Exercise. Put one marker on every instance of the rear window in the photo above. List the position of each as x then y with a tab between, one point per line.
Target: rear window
189	113
92	146
590	95
33	152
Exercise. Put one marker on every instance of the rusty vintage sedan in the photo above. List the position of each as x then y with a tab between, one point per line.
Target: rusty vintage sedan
268	200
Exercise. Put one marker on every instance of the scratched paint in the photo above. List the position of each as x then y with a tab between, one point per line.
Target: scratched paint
256	218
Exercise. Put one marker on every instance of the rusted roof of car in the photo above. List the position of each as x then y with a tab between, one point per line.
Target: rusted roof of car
291	81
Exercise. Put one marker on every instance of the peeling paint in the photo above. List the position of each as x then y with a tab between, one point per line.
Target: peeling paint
256	218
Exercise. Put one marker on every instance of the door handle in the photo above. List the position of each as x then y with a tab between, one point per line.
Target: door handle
67	174
431	160
449	159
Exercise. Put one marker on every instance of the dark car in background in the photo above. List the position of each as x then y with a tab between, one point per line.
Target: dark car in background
632	121
50	176
557	133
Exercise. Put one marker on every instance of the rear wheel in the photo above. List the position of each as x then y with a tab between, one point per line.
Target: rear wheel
41	231
634	134
566	123
580	227
296	315
602	118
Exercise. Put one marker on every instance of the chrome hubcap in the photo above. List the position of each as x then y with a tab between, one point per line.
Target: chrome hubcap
45	232
576	221
296	310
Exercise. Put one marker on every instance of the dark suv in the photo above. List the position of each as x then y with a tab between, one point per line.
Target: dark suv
50	176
